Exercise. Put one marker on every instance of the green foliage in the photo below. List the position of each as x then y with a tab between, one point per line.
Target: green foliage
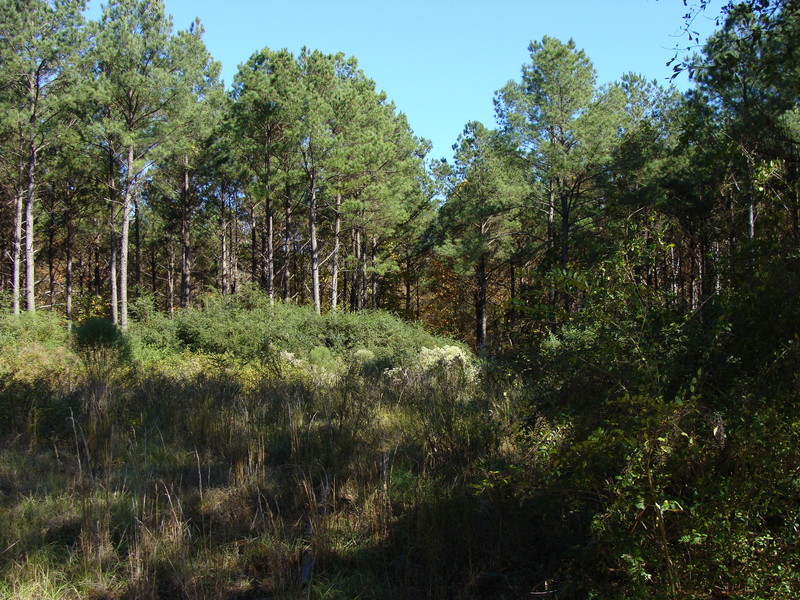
45	328
96	336
250	328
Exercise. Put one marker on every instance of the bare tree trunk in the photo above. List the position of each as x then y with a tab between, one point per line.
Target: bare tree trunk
153	270
124	241
262	253
355	292
137	240
254	243
270	254
16	259
270	250
223	225
565	225
353	273
186	240
407	283
417	298
480	303
795	209
312	225
345	281
51	261
97	284
113	267
235	242
170	279
112	197
374	274
30	274
552	297
362	292
287	232
68	274
337	227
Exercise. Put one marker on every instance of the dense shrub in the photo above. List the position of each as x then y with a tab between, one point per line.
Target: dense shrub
94	338
252	329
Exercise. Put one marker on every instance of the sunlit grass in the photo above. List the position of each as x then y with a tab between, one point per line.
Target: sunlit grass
205	476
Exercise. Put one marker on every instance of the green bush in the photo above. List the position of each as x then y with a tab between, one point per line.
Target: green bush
98	335
43	327
249	328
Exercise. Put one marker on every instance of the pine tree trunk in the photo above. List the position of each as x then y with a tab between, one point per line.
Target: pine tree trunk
354	248
254	244
312	225
170	279
552	296
287	232
97	285
270	218
355	292
30	274
137	240
124	242
565	210
153	270
362	292
407	282
186	241
480	303
223	226
234	254
270	250
795	208
113	267
337	227
16	259
374	274
68	274
51	262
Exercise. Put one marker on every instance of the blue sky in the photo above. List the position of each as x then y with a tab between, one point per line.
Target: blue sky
442	60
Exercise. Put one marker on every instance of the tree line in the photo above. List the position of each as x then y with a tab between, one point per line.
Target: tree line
126	165
129	175
588	202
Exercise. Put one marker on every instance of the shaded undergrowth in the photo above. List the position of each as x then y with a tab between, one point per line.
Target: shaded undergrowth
157	465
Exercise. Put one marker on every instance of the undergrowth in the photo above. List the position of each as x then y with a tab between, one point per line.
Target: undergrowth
244	450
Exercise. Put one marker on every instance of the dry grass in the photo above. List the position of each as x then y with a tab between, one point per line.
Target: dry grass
221	479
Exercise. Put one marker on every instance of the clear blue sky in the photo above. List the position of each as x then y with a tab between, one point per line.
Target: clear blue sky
442	60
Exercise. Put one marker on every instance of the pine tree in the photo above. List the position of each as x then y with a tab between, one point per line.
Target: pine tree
565	128
485	187
40	43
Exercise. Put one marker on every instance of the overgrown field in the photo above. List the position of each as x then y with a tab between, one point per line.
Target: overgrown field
247	451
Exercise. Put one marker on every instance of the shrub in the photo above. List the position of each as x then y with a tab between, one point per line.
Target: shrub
249	328
43	327
104	352
96	336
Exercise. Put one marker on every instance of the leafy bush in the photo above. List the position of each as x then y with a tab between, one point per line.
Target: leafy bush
43	327
250	328
96	337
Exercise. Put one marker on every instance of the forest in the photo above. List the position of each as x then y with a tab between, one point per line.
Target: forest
256	343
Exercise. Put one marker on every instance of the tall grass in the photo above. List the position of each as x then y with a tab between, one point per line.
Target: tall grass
245	451
238	468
